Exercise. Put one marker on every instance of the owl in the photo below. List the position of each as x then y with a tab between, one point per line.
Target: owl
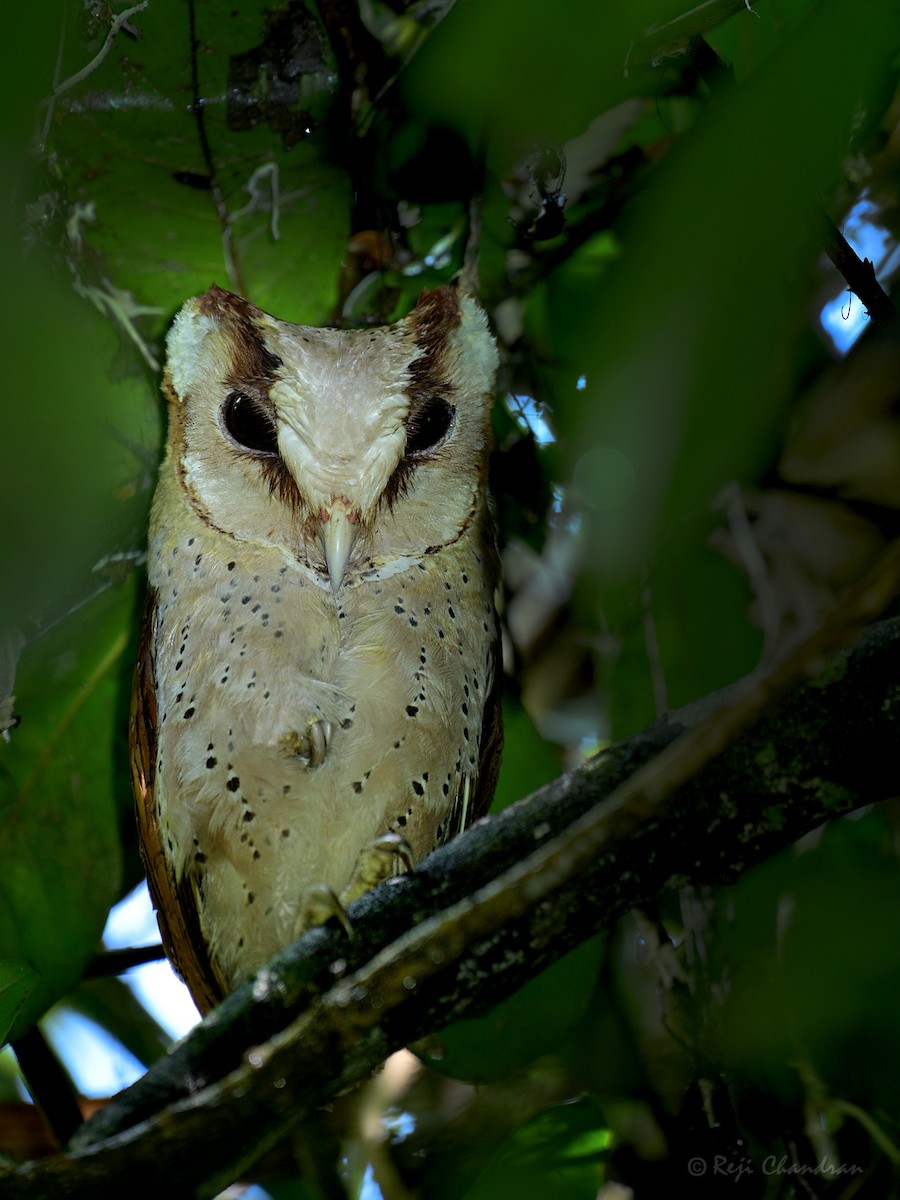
318	669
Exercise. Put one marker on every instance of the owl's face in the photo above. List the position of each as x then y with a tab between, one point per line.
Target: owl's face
346	449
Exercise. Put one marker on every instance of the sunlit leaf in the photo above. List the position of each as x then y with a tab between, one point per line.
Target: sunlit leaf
557	1155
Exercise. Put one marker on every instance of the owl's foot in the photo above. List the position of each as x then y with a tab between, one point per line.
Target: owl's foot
319	905
385	857
310	744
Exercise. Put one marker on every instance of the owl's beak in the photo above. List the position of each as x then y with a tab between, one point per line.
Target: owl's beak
338	535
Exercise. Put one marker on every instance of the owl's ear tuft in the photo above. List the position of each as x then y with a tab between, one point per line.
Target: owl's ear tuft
220	336
227	307
216	301
184	344
447	320
479	356
435	315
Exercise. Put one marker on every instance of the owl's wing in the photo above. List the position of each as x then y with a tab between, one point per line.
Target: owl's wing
491	746
174	900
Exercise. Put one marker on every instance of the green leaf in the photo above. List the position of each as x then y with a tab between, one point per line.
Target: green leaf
729	216
17	981
813	973
683	635
133	174
491	59
557	1155
76	464
59	817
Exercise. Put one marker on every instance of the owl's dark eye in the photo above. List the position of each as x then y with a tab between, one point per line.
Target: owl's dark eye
250	424
428	425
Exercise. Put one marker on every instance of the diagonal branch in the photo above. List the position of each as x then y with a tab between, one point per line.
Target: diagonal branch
859	275
500	903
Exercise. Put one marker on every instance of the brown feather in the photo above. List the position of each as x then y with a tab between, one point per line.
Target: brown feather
491	748
174	900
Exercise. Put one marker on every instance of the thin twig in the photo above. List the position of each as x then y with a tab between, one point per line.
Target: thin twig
859	274
116	962
60	88
231	262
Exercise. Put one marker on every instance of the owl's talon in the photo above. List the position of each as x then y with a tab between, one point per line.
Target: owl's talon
396	846
312	745
319	737
376	862
319	905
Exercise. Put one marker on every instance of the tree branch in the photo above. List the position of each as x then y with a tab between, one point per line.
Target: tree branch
49	1083
503	901
859	275
116	962
232	266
